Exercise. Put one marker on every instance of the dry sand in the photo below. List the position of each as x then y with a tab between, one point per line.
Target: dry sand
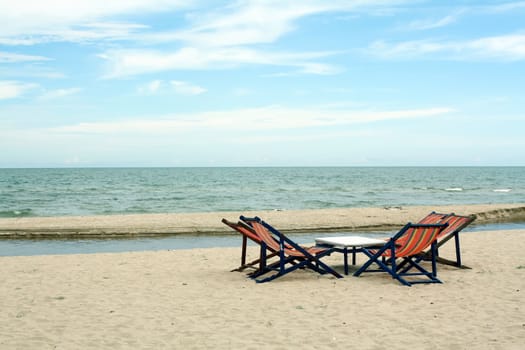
188	299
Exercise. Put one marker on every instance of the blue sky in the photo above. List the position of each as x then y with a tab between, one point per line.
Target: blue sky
261	83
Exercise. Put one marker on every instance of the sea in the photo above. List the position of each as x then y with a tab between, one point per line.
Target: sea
109	191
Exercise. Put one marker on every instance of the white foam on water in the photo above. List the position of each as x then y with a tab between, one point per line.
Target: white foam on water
503	190
454	189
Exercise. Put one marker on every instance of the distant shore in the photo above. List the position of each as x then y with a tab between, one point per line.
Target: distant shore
311	220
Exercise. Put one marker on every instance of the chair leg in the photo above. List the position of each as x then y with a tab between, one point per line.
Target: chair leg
458	253
262	263
433	249
252	263
391	267
456	263
378	259
243	252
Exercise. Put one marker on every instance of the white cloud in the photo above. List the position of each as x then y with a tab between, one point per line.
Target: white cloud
223	38
59	93
184	88
243	22
248	22
509	47
269	118
79	33
123	63
435	23
404	49
213	37
179	87
9	57
28	22
505	7
29	71
12	89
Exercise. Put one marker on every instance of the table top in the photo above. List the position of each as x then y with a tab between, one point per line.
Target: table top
350	241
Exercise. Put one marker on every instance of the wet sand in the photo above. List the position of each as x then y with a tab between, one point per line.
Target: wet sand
326	220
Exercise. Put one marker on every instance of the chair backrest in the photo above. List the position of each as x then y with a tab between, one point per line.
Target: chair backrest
266	235
455	223
243	229
416	239
432	218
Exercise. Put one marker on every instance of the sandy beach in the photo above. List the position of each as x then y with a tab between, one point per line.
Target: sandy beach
320	220
190	299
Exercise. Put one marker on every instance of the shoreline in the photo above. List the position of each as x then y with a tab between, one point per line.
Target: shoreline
309	220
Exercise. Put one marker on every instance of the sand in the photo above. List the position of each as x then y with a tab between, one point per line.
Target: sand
324	220
189	299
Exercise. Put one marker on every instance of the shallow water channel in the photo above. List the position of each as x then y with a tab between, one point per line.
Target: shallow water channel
20	247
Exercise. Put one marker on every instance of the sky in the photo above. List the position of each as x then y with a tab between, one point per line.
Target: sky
261	83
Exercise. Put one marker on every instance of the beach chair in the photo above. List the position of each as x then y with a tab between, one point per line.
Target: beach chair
406	245
247	232
291	256
431	218
455	223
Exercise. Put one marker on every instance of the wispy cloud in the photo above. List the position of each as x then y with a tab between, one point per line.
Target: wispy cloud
33	22
59	93
9	57
12	89
175	86
123	63
220	37
509	47
268	118
242	22
81	33
184	88
504	7
426	24
230	37
32	71
247	23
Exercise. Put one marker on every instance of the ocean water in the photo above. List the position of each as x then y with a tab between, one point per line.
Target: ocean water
95	191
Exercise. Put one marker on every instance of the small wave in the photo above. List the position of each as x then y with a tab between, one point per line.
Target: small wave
320	203
15	213
454	189
502	190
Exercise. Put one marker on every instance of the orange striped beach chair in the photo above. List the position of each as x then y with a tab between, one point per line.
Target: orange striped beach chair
455	223
406	246
291	256
248	232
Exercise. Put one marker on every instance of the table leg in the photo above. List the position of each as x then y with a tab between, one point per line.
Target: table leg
345	252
